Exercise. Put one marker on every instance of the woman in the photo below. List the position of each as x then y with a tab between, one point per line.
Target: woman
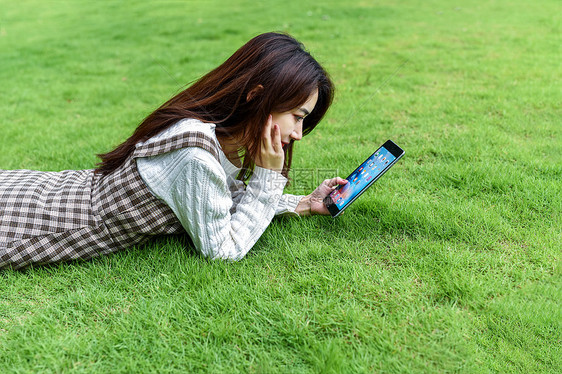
211	162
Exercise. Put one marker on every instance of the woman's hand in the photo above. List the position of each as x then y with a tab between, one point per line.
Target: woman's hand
271	154
314	203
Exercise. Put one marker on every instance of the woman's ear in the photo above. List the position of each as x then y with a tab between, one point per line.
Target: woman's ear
255	91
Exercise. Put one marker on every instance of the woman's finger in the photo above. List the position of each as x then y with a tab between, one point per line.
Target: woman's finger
276	139
266	138
335	182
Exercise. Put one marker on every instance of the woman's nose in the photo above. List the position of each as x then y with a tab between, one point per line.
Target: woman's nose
297	133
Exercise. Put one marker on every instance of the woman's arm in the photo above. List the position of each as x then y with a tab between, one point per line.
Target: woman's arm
312	204
287	203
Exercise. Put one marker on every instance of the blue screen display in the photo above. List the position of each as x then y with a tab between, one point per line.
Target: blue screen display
362	176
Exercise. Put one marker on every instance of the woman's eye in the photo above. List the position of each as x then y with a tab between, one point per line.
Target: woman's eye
299	118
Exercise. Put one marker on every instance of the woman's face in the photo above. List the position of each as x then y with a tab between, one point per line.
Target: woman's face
290	122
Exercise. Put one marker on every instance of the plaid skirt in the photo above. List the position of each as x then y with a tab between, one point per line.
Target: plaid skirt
49	217
44	207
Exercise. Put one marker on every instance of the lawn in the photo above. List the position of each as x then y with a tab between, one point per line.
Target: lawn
450	263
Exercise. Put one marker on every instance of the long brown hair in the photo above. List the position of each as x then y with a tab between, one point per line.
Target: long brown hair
277	62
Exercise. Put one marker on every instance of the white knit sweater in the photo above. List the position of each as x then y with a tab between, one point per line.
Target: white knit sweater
223	217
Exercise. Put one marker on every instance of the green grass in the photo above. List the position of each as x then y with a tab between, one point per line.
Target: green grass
450	263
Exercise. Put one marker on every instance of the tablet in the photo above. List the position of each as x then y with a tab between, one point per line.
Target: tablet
363	177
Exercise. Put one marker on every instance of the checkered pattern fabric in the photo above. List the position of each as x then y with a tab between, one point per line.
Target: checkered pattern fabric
47	217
